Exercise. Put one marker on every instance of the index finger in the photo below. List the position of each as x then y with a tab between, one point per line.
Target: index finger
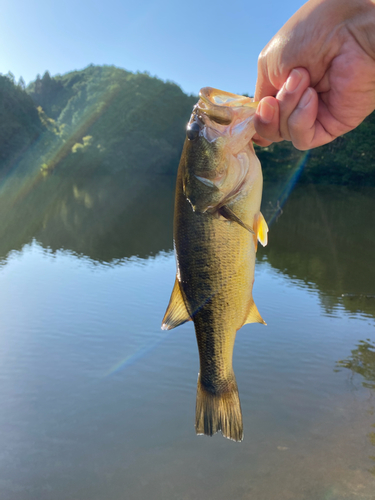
264	87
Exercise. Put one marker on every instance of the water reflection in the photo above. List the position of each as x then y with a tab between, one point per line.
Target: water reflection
362	362
322	236
325	237
100	216
91	390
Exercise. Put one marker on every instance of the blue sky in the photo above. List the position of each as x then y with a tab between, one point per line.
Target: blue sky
193	43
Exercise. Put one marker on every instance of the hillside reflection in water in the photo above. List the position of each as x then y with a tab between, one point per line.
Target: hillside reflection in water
97	402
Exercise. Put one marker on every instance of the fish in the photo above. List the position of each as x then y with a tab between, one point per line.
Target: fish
217	226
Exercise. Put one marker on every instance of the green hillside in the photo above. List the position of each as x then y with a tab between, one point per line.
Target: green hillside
20	124
350	159
108	119
112	119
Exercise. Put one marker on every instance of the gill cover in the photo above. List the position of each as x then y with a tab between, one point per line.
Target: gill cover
219	156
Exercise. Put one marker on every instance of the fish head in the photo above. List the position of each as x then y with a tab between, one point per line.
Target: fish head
218	153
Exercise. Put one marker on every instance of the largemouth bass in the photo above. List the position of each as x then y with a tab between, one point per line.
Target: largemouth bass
217	224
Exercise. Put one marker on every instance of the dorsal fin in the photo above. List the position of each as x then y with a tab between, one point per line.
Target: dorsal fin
176	312
253	315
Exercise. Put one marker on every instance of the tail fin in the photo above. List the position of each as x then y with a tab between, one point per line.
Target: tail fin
219	412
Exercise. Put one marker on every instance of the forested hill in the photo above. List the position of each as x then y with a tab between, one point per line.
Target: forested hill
108	119
19	120
349	159
103	117
116	119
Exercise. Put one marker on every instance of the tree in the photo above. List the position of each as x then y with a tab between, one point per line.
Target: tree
21	83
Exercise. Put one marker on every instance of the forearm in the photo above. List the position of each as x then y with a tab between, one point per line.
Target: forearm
357	16
361	25
312	38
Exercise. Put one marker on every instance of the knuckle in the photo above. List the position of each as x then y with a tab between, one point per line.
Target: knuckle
262	57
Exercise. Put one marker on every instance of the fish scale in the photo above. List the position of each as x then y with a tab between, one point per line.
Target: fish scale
216	268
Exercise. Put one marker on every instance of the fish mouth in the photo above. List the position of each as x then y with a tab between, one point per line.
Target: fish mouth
220	106
223	114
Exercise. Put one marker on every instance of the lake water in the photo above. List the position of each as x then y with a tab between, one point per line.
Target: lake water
97	402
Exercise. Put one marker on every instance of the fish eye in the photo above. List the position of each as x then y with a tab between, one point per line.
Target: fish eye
192	131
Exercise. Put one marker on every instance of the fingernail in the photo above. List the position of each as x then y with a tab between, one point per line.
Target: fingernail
306	98
266	112
293	80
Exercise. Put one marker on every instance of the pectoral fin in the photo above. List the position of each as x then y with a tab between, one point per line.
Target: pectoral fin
253	315
176	312
261	230
228	214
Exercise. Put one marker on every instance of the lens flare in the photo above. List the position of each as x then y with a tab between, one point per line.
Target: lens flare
136	356
288	188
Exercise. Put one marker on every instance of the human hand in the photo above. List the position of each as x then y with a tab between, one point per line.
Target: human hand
321	68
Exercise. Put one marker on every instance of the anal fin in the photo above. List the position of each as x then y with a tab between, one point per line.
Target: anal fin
176	313
253	315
